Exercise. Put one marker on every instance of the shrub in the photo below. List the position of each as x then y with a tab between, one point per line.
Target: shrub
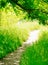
37	54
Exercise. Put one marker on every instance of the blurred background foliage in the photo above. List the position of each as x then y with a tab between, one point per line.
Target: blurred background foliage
34	9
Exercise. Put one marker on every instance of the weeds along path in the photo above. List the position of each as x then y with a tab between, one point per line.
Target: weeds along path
14	57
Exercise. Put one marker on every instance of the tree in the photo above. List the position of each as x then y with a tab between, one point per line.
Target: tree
35	8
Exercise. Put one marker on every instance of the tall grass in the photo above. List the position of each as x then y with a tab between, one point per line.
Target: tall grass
12	32
11	37
38	53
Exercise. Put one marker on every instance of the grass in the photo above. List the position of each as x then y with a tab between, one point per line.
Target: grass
12	32
13	35
37	54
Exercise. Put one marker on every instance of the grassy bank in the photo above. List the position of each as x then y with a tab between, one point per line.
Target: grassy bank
37	54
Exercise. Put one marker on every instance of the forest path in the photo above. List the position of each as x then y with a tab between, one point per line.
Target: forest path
14	57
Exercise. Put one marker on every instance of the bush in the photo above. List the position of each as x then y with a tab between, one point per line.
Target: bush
38	53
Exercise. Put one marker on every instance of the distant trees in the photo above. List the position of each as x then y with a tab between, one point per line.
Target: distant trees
36	9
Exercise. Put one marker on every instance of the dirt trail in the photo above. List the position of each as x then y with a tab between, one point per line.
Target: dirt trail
14	57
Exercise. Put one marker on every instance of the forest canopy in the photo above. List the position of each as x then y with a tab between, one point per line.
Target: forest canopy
36	9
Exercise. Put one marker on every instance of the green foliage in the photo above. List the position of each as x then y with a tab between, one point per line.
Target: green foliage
12	32
11	37
37	54
45	1
3	3
36	9
8	15
42	17
29	4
